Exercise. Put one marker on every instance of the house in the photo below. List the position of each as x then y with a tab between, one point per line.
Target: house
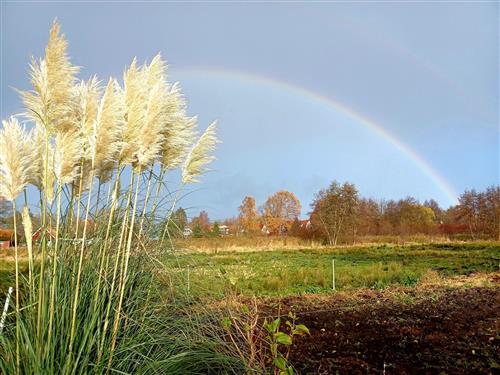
187	232
224	230
6	238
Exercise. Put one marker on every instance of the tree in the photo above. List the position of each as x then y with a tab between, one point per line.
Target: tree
282	205
295	229
413	217
334	210
216	229
369	217
5	212
180	218
176	223
248	215
202	222
434	206
468	210
491	211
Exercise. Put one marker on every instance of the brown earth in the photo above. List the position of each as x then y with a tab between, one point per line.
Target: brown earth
429	329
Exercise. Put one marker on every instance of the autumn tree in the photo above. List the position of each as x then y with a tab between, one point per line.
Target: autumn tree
335	209
282	205
201	221
491	211
480	211
248	214
413	217
467	210
369	217
434	206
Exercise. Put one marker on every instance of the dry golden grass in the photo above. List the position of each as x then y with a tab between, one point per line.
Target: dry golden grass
244	243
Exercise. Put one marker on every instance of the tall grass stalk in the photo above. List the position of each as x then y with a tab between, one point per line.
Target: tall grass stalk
103	259
18	329
54	265
79	274
124	271
43	244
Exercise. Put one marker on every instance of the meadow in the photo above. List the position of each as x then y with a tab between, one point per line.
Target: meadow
282	272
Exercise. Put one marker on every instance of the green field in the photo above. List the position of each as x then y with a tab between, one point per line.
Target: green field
286	272
293	272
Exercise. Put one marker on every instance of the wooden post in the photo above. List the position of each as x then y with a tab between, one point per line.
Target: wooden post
188	280
333	274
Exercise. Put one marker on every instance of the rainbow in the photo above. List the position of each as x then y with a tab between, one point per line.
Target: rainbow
378	129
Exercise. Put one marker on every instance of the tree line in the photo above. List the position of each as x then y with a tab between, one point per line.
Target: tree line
339	214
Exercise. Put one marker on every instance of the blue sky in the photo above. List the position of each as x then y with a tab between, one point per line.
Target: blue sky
292	83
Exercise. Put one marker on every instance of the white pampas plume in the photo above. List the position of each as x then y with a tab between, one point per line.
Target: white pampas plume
199	156
135	103
28	232
146	90
43	156
106	142
179	130
51	101
151	136
87	94
16	163
68	148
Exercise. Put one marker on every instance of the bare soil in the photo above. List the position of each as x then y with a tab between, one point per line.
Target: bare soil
430	329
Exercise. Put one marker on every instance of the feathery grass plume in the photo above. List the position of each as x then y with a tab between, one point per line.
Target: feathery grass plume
68	152
87	93
146	90
16	161
28	233
135	104
38	146
37	137
105	142
51	101
156	114
179	132
199	155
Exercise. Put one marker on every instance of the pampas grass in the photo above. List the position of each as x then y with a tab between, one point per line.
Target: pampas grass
199	156
180	132
105	142
68	150
80	308
51	101
16	163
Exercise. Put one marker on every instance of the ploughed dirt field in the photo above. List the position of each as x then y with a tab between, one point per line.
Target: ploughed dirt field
429	329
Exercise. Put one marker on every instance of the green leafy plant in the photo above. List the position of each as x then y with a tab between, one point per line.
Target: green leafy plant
277	339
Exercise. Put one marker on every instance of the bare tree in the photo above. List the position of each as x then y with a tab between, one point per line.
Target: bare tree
334	210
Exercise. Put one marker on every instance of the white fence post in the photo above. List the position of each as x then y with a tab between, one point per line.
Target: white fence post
333	274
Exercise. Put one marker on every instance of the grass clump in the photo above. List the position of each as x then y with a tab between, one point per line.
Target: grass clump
90	300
